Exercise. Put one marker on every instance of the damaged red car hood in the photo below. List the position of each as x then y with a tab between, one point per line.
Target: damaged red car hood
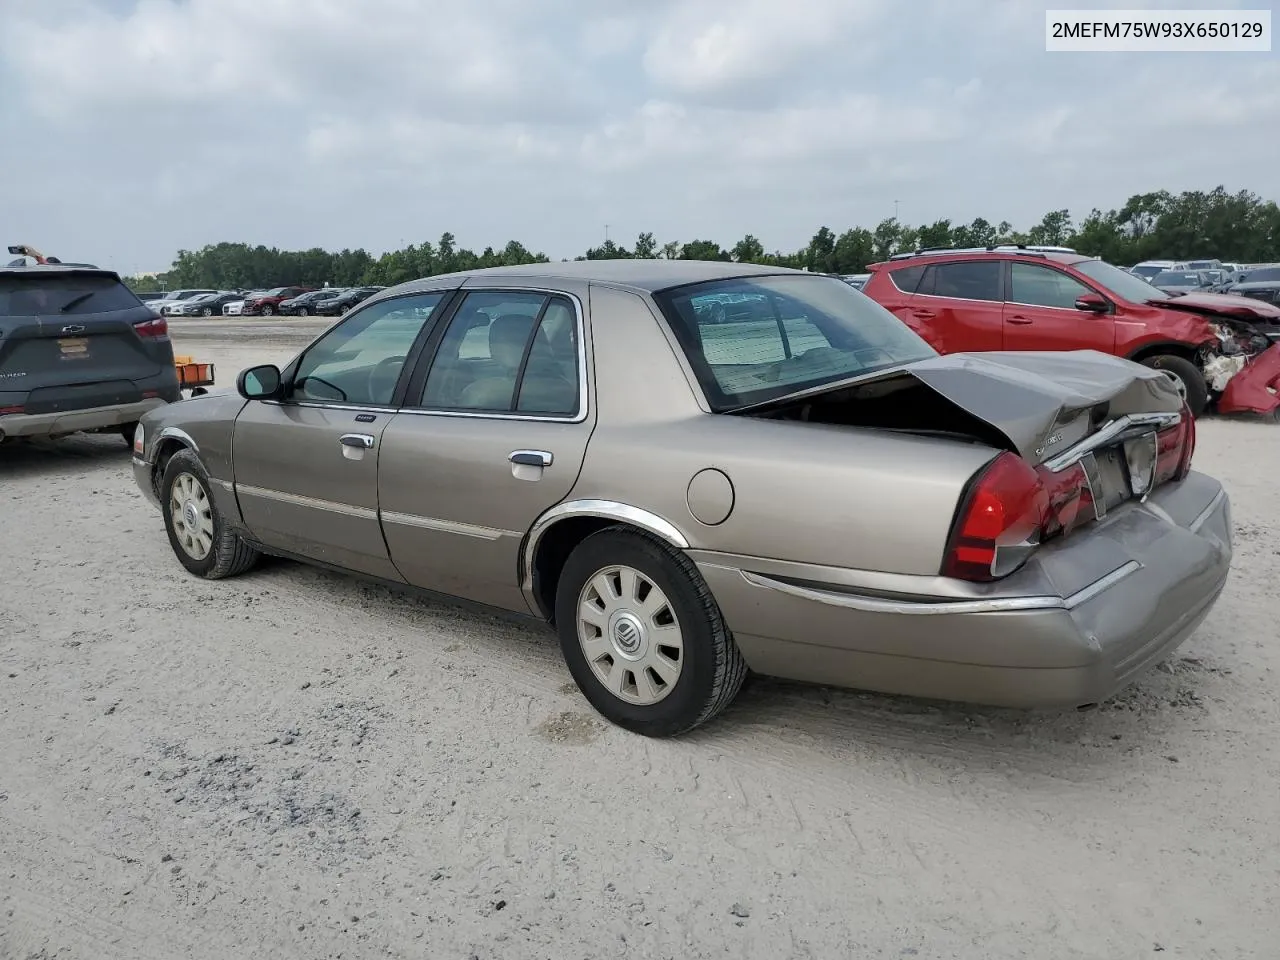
1222	304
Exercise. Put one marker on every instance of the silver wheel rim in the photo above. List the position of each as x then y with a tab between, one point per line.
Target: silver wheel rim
630	636
192	516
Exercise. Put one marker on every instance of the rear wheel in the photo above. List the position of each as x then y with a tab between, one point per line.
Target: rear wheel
642	635
200	539
1195	388
126	431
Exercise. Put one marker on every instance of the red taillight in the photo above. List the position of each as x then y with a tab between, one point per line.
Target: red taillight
1000	522
1174	449
4	410
154	328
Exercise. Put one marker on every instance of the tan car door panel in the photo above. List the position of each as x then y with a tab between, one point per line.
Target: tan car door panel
307	482
458	495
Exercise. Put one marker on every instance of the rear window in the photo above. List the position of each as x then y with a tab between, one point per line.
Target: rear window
35	295
1270	275
754	339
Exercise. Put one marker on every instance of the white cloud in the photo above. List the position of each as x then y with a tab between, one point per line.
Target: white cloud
711	45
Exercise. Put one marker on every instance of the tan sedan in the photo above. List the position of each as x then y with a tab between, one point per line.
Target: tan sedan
692	469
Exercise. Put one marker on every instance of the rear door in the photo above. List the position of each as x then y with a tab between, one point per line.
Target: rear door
493	432
1041	313
961	304
75	339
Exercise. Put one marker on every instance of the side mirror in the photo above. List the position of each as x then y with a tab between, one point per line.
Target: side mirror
1092	303
259	383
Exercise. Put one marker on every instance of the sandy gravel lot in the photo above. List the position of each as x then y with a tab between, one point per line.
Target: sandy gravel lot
296	765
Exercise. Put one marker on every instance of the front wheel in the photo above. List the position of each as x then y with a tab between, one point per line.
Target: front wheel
1191	377
200	539
207	312
302	311
268	310
643	637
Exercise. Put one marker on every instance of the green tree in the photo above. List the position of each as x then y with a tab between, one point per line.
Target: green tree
646	247
703	250
748	250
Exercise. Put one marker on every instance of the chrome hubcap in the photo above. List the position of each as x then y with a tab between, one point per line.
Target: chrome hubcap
192	516
629	635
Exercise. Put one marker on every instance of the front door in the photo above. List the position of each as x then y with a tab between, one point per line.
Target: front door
306	466
1041	313
494	430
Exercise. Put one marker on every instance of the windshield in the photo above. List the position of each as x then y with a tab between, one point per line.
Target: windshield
754	339
1171	279
1146	272
1114	280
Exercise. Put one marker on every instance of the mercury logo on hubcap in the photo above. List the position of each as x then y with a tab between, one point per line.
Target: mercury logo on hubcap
189	514
628	635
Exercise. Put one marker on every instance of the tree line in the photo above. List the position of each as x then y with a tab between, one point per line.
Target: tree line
1236	227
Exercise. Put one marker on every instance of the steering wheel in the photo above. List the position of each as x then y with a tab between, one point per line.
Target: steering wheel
380	370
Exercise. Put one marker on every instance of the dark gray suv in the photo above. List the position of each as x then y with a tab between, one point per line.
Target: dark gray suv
78	351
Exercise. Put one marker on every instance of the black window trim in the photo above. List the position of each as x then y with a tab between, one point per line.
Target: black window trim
1002	286
426	359
1042	306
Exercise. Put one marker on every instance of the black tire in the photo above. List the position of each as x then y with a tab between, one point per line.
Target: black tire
126	431
228	556
1197	390
267	310
302	311
206	312
712	667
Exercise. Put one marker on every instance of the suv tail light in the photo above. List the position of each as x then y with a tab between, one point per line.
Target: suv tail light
152	329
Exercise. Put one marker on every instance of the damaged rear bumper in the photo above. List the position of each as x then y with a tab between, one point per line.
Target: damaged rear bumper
1256	388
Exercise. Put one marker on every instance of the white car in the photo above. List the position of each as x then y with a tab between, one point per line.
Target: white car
1149	268
161	307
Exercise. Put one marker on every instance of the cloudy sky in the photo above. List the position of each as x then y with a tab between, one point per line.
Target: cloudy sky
132	128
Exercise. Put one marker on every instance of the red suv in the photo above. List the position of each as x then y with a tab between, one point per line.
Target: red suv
1019	298
268	303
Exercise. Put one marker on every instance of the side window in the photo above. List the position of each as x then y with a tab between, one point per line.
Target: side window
507	352
908	278
359	361
965	280
1044	286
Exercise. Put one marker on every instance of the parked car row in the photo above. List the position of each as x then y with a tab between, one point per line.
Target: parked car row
295	301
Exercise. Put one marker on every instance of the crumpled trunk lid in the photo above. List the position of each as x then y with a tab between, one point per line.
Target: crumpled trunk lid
1043	402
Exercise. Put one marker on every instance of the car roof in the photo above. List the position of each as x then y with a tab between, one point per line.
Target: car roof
56	269
935	256
642	276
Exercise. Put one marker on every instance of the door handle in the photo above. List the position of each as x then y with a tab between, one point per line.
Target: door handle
923	314
530	458
1021	321
362	441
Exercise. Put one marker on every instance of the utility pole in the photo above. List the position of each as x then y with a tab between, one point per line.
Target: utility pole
606	233
895	210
